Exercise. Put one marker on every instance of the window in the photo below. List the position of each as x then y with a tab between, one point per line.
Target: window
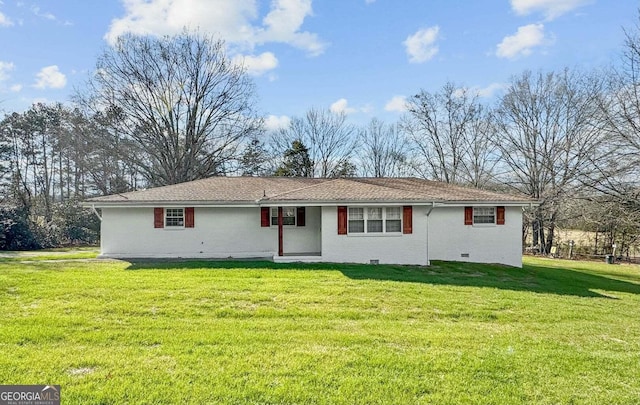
393	222
373	220
356	220
288	216
484	215
174	217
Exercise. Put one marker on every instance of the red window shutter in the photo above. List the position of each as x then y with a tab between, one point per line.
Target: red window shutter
189	217
264	217
500	215
158	217
468	215
342	220
300	216
407	219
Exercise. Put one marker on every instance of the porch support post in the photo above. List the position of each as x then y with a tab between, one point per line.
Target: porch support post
280	244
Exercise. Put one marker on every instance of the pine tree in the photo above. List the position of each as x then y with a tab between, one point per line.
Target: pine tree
297	162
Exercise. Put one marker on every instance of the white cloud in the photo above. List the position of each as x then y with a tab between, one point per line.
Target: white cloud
490	90
257	65
5	21
522	42
274	122
550	8
283	22
397	104
42	14
50	77
16	88
421	46
233	20
341	106
483	92
5	68
367	108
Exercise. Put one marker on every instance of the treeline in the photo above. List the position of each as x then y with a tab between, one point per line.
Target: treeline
168	110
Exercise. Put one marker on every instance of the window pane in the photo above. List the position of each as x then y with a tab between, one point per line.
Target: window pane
374	213
356	213
374	225
174	217
288	216
393	225
484	215
356	226
393	213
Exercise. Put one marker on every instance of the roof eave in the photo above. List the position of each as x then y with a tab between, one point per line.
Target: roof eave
271	203
167	203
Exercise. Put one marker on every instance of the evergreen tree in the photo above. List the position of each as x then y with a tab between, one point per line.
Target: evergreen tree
255	159
297	162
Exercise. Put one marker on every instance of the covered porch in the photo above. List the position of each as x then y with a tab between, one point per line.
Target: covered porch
299	232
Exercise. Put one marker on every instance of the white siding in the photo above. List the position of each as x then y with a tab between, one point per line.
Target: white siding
449	238
397	249
236	232
218	232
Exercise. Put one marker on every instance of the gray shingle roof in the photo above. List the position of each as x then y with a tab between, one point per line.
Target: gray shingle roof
268	190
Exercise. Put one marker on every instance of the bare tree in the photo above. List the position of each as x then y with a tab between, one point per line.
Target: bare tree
383	150
183	104
481	155
449	130
547	134
616	170
329	139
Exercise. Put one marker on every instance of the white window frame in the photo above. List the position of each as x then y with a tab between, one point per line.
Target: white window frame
177	214
285	217
485	215
365	214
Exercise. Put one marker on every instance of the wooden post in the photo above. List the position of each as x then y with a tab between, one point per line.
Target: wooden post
280	244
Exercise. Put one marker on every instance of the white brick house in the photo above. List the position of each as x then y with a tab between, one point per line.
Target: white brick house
363	220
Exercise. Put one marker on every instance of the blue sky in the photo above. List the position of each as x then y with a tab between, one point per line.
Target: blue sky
357	56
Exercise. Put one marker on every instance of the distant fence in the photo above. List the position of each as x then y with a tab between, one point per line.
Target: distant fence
573	244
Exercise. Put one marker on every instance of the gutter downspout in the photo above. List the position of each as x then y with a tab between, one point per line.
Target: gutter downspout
95	211
433	204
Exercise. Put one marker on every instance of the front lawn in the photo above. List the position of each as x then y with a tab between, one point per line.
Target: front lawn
263	333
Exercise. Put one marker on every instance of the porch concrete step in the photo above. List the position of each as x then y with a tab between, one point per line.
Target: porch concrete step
297	258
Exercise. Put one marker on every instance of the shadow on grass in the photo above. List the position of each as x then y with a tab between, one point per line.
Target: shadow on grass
533	278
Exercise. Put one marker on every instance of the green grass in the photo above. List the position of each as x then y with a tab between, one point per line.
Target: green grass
50	254
263	333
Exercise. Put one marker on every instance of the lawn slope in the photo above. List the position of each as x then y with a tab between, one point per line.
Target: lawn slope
113	332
